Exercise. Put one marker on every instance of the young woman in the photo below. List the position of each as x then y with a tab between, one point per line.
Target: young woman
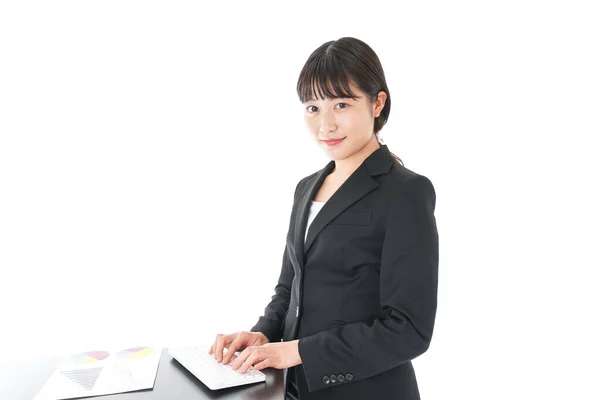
357	294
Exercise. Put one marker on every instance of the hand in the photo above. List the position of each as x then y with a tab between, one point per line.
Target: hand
234	342
274	355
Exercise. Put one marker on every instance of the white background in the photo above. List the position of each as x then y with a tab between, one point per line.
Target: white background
149	152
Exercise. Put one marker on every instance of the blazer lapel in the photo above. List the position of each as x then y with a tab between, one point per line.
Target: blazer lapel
356	186
311	188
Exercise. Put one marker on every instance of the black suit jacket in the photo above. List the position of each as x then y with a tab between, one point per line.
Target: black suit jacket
361	294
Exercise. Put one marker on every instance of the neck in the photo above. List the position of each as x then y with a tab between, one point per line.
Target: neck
347	166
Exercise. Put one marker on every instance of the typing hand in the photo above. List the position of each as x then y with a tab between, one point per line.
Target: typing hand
235	342
270	355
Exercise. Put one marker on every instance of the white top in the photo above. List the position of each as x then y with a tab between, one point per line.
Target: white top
315	207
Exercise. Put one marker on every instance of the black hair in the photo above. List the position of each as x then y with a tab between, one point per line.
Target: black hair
337	63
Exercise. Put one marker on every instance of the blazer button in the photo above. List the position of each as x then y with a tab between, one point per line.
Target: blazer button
341	378
349	377
326	380
333	378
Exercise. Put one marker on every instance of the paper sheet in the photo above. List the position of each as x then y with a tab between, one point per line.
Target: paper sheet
100	372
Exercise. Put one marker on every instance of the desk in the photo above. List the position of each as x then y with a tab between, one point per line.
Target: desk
22	380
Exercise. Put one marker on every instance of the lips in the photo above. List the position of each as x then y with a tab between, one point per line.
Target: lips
332	142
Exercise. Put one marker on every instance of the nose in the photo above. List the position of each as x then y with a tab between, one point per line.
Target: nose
327	123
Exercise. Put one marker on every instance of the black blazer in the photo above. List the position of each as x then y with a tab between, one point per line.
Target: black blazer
361	295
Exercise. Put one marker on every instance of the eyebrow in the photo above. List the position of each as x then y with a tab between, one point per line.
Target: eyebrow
336	98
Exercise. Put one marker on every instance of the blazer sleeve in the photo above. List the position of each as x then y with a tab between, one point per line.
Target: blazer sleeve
408	293
270	324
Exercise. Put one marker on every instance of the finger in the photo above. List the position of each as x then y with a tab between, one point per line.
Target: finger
231	349
213	348
242	357
253	358
219	349
263	364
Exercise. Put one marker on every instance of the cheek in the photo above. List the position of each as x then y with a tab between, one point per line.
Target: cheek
353	124
363	122
311	124
344	122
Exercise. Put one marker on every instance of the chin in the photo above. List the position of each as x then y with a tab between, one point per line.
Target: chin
336	155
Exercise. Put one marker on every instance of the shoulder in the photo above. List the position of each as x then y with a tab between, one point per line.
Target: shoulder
403	183
302	183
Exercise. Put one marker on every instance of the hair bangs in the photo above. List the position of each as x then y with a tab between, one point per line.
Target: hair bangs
324	77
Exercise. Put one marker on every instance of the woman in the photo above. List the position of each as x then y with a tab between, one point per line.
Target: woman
357	294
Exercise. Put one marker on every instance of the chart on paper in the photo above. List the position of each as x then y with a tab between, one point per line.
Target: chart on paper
100	372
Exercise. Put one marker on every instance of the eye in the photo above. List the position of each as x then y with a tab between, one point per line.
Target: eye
308	108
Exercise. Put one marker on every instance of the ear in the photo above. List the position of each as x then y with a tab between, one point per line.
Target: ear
379	103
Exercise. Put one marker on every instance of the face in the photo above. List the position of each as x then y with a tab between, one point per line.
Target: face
343	118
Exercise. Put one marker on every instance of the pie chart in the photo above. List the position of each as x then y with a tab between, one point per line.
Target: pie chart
89	357
135	352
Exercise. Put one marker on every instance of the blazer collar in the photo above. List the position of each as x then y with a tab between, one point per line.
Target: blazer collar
356	186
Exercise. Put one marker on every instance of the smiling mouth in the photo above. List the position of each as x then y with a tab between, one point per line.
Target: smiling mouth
333	142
